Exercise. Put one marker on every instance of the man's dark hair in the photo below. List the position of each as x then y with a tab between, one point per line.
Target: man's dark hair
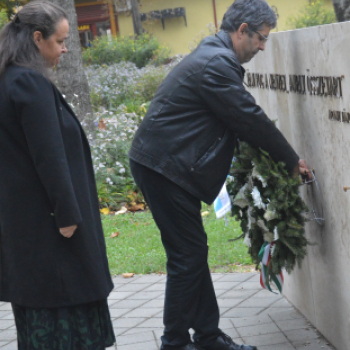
255	13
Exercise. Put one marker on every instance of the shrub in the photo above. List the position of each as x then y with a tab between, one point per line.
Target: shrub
140	50
3	18
121	94
124	83
110	143
313	14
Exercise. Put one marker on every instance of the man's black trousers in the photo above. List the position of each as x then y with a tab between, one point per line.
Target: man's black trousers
190	300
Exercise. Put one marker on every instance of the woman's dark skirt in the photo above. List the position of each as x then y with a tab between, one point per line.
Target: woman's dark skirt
80	327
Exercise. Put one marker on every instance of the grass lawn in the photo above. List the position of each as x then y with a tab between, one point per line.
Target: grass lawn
138	247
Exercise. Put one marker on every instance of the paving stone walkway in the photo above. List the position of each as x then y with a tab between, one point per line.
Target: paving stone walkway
249	315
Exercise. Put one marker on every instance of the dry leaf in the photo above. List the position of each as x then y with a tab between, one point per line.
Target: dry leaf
128	275
104	211
136	207
205	213
102	125
114	234
121	211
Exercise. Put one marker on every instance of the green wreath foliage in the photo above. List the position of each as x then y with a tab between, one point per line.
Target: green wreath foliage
266	201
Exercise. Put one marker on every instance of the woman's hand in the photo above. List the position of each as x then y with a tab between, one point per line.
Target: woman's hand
68	231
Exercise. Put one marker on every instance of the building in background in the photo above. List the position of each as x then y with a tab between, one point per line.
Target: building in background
175	23
96	18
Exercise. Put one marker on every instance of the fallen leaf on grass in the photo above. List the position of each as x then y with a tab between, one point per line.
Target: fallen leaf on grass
102	125
121	211
128	275
205	213
114	234
104	211
136	207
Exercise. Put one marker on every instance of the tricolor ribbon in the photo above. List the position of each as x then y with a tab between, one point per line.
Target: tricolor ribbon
265	257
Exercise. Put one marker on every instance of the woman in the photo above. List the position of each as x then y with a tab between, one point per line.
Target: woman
53	266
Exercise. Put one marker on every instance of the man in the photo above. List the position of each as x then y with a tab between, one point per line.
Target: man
181	156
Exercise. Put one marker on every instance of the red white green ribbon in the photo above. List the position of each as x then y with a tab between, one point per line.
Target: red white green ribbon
265	257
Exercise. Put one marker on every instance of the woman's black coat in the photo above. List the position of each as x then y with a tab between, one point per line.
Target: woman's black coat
46	183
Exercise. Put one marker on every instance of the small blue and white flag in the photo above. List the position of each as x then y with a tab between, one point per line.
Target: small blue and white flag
222	203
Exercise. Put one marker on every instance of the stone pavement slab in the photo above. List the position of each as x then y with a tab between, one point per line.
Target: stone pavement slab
249	315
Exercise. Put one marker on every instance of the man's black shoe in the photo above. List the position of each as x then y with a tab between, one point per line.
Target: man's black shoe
190	346
224	342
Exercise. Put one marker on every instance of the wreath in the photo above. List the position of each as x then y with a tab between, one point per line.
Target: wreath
266	201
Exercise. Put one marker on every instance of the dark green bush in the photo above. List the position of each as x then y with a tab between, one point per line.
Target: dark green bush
140	50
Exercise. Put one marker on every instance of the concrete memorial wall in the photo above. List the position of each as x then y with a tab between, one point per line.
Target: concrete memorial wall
302	79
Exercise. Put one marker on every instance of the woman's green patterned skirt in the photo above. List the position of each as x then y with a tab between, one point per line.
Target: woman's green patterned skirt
80	327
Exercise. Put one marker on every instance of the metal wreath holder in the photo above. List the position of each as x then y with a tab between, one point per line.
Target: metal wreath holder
315	200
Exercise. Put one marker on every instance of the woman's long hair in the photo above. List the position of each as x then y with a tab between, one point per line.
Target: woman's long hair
17	46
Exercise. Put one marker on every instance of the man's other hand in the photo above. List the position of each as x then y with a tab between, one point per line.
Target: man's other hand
302	169
68	231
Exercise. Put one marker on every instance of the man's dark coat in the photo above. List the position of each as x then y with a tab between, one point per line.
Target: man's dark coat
46	183
190	130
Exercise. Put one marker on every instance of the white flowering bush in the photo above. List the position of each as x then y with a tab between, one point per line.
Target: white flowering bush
109	143
124	83
121	94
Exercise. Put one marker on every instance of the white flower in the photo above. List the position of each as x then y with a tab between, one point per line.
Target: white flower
121	171
257	199
273	249
258	176
109	181
270	214
240	200
251	220
247	241
268	237
276	235
262	225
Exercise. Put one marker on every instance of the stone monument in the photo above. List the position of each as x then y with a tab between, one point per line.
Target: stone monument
302	79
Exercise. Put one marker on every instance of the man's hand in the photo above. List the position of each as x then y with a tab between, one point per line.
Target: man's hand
68	231
302	169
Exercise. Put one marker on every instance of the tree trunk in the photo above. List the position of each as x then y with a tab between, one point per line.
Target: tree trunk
138	30
342	10
70	75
